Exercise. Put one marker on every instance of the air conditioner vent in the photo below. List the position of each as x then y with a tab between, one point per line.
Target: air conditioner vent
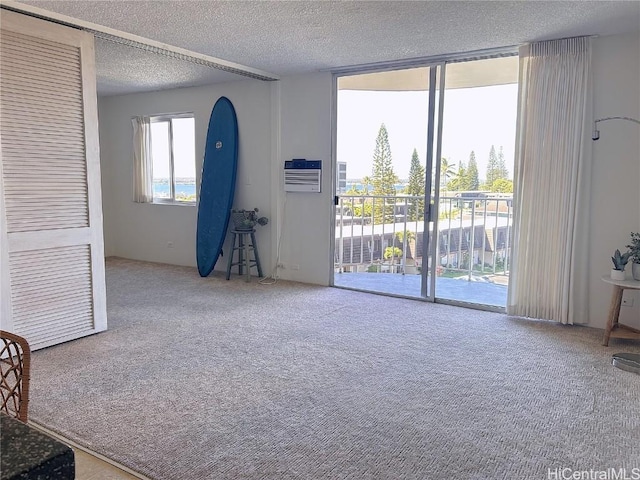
302	175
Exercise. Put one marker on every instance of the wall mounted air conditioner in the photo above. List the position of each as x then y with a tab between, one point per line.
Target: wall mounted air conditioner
302	175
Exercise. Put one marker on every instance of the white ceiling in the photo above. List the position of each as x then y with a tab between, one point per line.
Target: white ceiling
286	37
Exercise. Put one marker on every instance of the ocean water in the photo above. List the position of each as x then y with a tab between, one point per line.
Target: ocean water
360	186
162	189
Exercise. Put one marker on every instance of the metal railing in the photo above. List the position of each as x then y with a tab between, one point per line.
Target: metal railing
385	233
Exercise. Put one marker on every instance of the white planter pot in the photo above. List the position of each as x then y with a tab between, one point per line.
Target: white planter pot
617	275
635	270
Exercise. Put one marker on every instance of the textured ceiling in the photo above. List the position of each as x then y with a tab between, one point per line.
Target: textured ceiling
285	37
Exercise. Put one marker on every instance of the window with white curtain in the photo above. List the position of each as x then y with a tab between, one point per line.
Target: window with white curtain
164	159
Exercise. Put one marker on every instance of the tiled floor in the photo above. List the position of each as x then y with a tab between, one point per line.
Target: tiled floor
90	466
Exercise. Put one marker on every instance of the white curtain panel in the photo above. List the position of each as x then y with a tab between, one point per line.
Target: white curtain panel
549	275
142	162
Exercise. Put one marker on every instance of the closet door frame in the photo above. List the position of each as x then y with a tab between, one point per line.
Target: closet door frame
90	234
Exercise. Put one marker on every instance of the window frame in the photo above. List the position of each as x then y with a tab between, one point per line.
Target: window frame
169	117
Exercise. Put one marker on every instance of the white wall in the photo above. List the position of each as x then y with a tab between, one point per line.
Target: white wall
615	199
143	231
277	121
305	132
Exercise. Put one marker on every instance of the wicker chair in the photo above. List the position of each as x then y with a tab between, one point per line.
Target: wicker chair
15	363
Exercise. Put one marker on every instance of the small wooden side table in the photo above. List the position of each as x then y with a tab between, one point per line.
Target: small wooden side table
613	328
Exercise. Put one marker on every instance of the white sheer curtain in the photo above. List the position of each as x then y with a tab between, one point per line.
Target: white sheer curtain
142	162
549	269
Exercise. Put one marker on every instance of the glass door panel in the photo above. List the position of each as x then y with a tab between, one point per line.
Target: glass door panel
476	181
381	149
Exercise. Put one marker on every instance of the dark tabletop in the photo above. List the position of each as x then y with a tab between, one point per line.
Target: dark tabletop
27	453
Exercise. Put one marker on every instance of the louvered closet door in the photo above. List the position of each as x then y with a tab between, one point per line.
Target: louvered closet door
52	285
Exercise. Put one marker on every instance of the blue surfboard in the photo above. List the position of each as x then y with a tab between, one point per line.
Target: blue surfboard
218	184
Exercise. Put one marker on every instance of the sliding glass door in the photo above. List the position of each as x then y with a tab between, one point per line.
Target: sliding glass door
424	187
383	138
475	194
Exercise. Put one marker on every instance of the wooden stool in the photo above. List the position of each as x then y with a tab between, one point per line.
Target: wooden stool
244	247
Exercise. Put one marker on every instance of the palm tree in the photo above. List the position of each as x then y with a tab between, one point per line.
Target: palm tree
366	183
447	171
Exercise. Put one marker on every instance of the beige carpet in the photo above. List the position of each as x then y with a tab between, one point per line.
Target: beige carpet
213	379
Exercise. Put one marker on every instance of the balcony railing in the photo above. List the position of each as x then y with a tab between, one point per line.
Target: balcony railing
377	233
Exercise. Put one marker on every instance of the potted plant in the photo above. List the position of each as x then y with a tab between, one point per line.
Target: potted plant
247	219
619	262
634	250
395	255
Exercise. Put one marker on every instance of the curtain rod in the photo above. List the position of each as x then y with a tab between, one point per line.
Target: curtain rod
136	41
